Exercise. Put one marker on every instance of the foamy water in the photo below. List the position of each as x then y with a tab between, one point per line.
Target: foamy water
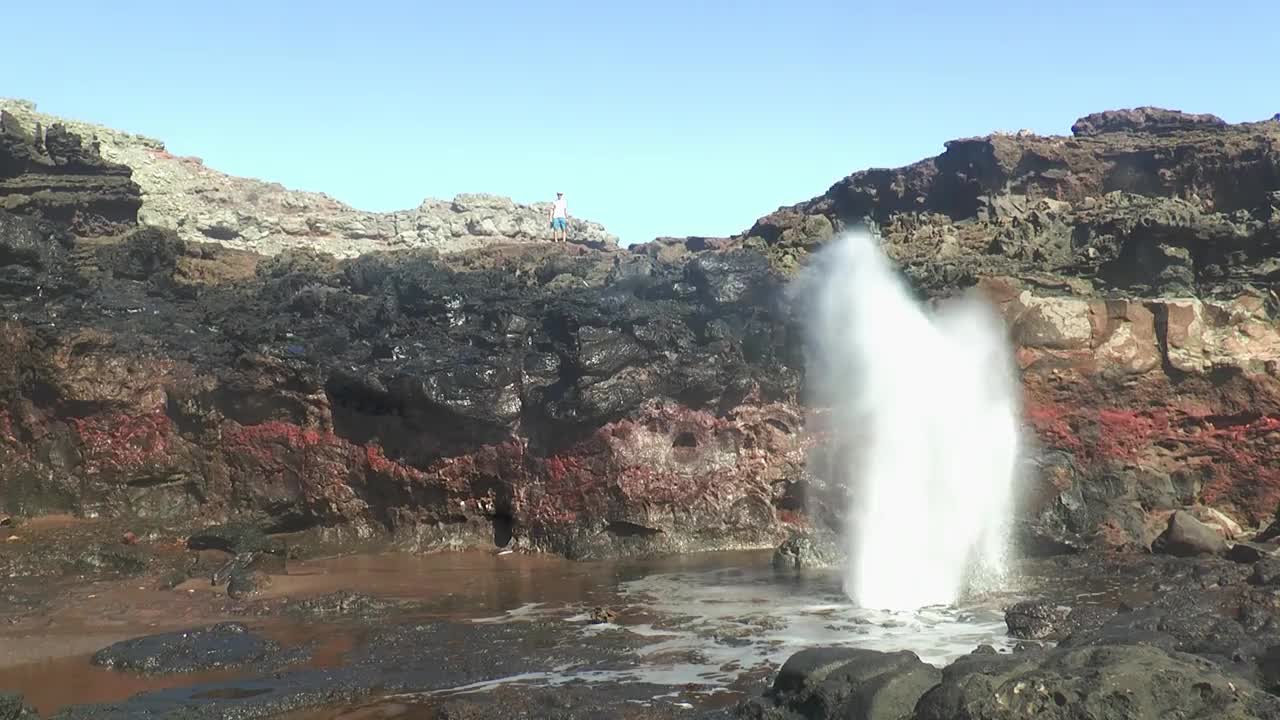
769	616
711	627
925	433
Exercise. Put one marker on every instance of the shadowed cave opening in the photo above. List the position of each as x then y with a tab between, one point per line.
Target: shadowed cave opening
502	529
685	440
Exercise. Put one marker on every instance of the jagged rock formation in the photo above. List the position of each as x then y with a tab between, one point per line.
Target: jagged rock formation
604	402
203	205
47	172
1136	265
595	404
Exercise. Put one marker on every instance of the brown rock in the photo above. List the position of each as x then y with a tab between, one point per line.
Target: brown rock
602	615
1186	537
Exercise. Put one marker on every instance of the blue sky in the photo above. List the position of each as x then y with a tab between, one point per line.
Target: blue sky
655	118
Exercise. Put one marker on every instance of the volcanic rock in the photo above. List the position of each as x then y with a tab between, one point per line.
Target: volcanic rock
821	683
600	403
1133	263
1033	620
1046	620
594	405
60	179
1103	682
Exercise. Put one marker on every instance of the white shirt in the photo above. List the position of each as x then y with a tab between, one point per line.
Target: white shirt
559	209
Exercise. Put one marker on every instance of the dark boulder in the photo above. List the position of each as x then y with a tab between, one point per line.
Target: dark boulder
1046	620
1111	682
821	683
1251	552
1035	619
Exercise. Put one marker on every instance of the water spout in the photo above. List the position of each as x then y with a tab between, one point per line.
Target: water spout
924	432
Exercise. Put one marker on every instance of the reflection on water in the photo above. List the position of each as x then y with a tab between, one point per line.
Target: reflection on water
709	628
709	620
756	617
53	684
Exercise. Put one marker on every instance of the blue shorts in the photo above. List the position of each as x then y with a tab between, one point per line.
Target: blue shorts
558	224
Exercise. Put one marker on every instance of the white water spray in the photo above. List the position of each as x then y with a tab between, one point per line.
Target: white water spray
923	428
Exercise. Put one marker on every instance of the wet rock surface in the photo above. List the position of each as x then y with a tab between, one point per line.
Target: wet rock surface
1201	645
1036	619
226	645
846	682
1104	682
346	604
395	659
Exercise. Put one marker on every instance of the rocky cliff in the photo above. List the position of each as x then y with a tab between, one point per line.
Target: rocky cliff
601	402
201	204
1136	263
587	402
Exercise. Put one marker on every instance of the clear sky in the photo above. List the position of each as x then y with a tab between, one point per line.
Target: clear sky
660	117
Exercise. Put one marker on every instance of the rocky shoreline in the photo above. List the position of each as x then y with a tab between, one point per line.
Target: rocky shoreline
1189	635
604	402
182	388
580	402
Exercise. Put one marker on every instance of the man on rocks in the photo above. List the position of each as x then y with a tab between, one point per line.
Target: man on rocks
559	216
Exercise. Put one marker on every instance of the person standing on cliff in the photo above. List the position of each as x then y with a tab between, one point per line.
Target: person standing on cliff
559	216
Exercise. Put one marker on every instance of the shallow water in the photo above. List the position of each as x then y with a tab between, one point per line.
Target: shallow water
712	627
703	624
